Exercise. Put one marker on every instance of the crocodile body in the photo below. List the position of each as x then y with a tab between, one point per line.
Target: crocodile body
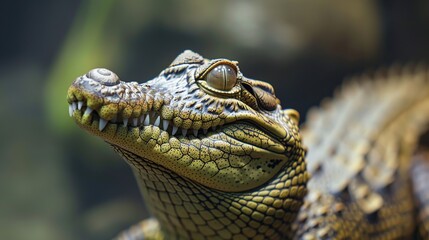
216	156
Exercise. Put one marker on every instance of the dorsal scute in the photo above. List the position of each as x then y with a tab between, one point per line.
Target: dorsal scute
361	141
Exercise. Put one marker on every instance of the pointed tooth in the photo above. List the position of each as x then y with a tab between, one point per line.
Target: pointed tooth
174	130
135	122
88	111
157	121
184	131
70	110
214	128
102	124
147	120
205	130
79	105
74	106
165	124
142	118
195	132
125	122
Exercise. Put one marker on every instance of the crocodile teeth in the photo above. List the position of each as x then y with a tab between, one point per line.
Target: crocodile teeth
157	121
74	106
195	132
135	122
184	131
142	118
165	124
214	128
102	124
205	130
174	130
70	110
79	105
88	111
125	122
146	120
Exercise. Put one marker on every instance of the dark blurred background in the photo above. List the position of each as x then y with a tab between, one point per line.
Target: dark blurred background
57	182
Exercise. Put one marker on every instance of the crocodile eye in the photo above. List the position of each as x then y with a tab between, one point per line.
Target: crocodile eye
222	77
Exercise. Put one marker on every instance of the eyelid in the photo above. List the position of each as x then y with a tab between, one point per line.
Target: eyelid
204	69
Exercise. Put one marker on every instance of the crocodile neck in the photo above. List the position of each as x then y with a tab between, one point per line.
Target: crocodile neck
187	210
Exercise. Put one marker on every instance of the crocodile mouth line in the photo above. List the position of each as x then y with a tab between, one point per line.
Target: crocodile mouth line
151	118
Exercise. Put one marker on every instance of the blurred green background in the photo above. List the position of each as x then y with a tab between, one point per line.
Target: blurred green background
57	182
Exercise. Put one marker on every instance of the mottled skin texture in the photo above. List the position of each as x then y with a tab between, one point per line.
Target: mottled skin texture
216	157
361	146
234	167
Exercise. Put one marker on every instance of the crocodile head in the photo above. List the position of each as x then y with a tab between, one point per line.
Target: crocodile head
201	119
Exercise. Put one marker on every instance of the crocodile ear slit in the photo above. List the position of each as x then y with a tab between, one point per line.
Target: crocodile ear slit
293	114
265	99
262	93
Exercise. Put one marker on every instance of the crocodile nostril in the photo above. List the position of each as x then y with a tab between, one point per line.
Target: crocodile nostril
103	76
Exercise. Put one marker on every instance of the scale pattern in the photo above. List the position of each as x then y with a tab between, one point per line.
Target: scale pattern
230	163
187	210
360	149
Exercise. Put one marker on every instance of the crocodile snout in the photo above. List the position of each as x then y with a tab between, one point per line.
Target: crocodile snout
103	76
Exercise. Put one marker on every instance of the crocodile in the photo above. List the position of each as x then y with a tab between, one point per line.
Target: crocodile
217	157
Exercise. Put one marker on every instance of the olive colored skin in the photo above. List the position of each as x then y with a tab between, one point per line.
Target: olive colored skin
216	156
213	151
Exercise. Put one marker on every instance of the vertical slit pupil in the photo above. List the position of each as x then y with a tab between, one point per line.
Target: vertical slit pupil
225	76
222	77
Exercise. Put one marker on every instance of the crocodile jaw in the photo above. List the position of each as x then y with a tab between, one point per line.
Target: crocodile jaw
229	151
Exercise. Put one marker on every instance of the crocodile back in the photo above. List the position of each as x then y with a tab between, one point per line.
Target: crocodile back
360	145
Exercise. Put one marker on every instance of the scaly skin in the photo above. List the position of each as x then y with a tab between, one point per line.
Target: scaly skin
211	163
216	157
361	147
